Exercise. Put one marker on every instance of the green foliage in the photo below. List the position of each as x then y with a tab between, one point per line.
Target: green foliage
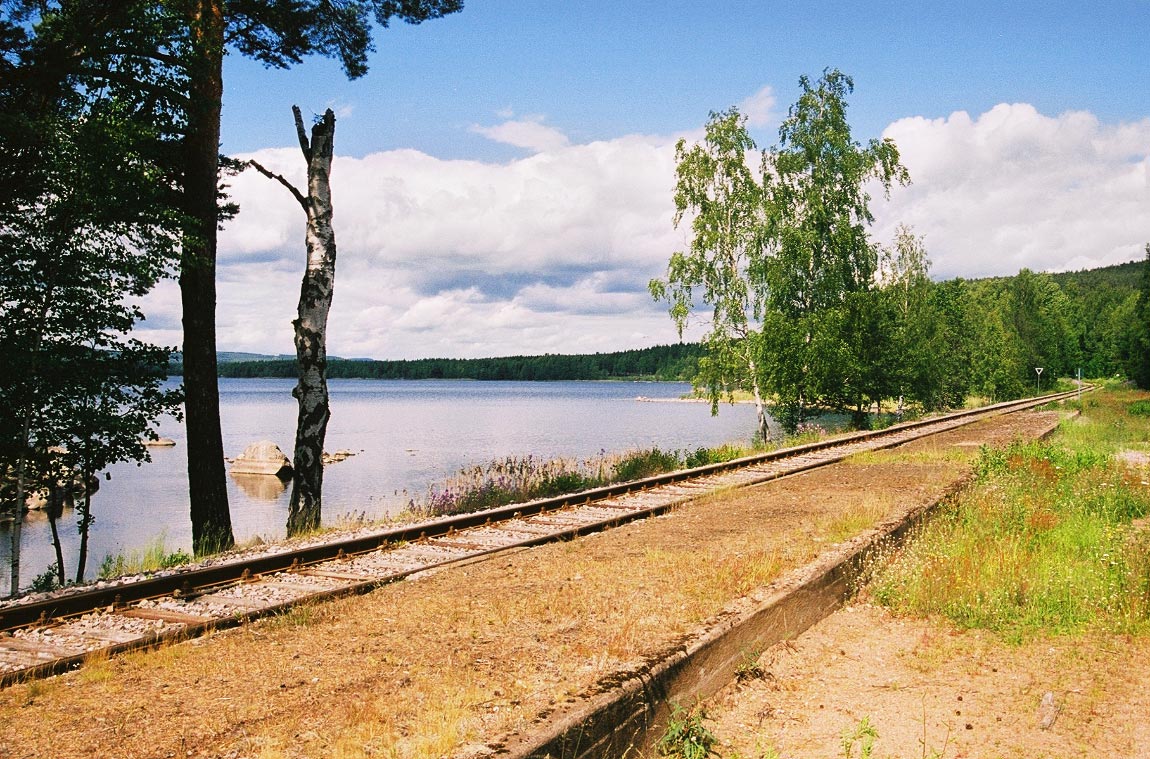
87	226
153	558
821	263
1139	408
785	261
724	264
1042	544
677	362
1138	361
640	464
704	456
863	735
686	736
46	581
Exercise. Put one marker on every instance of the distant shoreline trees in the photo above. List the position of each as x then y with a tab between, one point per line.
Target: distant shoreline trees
670	363
952	339
803	306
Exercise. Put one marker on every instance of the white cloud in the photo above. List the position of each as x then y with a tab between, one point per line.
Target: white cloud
529	133
551	252
759	108
1015	188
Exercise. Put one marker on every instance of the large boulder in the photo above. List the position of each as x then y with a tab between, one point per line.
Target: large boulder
264	457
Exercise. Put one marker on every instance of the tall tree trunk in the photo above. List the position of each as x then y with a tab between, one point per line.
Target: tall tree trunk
84	509
306	508
207	484
762	418
315	297
18	505
31	412
55	509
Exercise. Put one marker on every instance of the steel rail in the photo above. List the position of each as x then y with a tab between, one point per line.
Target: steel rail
186	582
203	582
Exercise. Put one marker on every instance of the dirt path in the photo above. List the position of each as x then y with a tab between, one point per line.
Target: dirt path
458	658
926	687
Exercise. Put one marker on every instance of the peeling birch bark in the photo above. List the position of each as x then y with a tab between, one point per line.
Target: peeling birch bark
315	298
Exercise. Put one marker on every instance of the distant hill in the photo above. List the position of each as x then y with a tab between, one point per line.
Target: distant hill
1119	278
1124	277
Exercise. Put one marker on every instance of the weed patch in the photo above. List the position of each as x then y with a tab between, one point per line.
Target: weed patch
1139	408
687	737
1042	543
518	479
153	558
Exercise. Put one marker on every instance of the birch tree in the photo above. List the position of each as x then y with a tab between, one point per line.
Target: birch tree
723	265
818	208
171	53
305	511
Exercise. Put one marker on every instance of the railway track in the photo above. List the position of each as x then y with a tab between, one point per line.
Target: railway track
50	636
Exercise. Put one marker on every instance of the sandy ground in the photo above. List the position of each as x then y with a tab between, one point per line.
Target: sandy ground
931	690
459	658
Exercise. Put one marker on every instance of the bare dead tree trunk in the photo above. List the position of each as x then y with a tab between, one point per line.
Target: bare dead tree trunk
315	298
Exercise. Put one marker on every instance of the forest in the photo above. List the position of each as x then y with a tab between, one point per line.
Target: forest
663	362
978	336
805	311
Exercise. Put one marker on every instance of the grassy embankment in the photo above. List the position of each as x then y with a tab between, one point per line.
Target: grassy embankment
1050	542
1051	538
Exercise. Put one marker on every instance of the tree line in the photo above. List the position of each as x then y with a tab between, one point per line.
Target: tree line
668	363
953	339
806	312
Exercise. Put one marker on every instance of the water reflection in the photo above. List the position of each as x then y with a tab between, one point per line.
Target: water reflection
261	487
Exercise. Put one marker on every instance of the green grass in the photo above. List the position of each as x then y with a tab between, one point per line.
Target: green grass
1043	541
686	736
152	558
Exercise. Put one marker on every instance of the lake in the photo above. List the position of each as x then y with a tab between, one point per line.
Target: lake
407	435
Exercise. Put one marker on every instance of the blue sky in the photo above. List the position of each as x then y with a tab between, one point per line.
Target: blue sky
597	70
503	175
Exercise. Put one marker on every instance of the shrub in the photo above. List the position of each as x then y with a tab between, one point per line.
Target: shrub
640	464
1139	408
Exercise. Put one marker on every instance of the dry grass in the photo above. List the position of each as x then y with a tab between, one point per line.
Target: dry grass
424	668
928	452
856	516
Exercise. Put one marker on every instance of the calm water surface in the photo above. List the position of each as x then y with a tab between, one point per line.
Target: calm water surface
407	435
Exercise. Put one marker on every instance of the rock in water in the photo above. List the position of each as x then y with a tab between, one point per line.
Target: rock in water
160	442
264	457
